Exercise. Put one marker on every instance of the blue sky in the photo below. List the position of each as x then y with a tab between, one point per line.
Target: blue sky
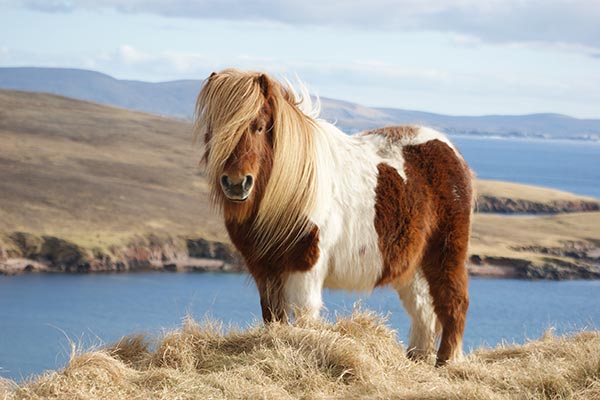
464	57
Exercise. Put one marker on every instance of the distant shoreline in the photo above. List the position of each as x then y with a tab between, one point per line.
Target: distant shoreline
483	136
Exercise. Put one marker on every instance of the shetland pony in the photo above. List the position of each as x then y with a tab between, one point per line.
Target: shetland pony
310	207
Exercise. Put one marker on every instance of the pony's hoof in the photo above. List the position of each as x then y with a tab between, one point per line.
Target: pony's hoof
440	362
417	355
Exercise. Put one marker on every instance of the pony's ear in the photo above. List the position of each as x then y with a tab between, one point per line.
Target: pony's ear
212	74
263	81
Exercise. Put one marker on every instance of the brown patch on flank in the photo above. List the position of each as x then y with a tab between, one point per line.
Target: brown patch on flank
402	222
395	132
425	221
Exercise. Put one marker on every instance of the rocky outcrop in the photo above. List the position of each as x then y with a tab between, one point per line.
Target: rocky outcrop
26	253
588	251
492	204
23	252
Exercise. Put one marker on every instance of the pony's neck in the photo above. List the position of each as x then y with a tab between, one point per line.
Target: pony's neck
331	143
288	199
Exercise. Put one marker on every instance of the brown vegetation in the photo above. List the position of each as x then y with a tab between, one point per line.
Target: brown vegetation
356	357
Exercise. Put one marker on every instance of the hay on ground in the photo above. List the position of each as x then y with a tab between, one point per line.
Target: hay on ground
355	357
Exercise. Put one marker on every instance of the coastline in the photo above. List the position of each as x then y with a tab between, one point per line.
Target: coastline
513	269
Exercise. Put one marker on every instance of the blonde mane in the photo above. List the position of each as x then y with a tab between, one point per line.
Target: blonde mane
226	106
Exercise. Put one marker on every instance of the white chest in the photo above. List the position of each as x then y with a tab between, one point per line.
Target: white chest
348	240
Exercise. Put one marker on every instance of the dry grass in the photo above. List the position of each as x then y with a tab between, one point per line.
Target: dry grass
356	357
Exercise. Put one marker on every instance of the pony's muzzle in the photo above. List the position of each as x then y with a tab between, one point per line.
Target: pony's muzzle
237	189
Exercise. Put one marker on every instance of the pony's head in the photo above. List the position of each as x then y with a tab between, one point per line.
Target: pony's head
235	115
259	152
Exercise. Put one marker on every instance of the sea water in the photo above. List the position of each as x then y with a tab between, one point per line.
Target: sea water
42	314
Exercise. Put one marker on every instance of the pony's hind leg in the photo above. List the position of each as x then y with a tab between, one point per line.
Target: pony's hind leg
424	328
444	267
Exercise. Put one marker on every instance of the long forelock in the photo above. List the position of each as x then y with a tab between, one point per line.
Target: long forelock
226	106
283	216
225	109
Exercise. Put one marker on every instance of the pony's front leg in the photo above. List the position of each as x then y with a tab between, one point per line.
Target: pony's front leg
304	291
272	300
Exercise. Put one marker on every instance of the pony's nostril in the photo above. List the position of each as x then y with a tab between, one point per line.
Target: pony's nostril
225	181
248	180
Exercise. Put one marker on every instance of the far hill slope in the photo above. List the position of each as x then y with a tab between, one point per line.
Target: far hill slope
91	187
177	99
81	167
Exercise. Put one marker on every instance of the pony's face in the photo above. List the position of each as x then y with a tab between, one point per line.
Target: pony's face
260	155
249	164
244	164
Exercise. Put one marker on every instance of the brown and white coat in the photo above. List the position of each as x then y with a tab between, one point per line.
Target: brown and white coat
386	207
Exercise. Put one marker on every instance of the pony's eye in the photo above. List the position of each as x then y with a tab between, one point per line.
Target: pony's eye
259	130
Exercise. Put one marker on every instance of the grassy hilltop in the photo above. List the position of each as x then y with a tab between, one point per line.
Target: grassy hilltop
356	357
87	187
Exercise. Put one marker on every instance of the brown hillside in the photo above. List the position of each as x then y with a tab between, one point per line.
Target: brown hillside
83	171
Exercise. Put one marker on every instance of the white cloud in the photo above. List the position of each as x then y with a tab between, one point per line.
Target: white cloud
129	62
130	55
4	54
573	22
373	81
328	78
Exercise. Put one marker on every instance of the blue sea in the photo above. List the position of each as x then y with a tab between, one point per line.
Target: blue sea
41	314
568	165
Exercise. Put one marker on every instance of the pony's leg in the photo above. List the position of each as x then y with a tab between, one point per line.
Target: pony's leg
304	291
272	299
424	328
444	267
